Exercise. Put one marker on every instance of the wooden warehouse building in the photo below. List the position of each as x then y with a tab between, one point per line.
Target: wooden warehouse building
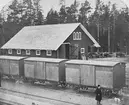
68	41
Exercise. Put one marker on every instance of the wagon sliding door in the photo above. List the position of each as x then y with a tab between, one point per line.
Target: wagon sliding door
87	75
104	77
4	66
14	68
73	74
40	71
29	69
52	72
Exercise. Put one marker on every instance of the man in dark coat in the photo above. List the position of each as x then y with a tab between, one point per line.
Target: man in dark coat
98	95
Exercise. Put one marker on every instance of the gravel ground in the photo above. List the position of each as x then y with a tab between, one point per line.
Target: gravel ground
56	97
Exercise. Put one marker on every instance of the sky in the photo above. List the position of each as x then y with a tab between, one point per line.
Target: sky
48	4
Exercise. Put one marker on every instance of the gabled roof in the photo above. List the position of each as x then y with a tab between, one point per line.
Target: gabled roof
45	37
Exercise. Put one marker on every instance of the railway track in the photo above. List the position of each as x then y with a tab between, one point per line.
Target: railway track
36	98
5	102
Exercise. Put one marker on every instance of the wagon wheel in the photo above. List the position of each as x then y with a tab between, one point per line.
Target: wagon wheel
63	85
41	81
68	85
79	90
104	92
86	88
25	79
110	93
32	82
76	87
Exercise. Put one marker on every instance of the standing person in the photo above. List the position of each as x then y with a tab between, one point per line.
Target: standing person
98	95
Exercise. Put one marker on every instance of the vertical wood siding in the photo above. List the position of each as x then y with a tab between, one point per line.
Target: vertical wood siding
52	72
14	67
40	70
4	64
73	74
87	75
83	43
29	69
104	76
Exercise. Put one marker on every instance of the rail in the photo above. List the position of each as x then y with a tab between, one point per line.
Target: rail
9	102
30	96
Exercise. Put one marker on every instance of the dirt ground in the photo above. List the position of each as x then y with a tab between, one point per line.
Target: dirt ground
54	97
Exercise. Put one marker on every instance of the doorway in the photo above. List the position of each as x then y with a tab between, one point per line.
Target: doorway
67	51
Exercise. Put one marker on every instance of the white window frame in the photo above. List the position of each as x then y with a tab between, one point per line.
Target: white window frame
18	51
74	36
49	52
9	51
77	36
27	52
38	52
80	36
82	50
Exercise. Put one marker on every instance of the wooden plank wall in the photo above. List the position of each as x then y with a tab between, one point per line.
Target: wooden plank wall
73	74
87	75
29	69
5	66
52	72
14	67
104	77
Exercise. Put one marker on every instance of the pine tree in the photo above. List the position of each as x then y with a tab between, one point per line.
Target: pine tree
72	12
63	14
52	17
84	11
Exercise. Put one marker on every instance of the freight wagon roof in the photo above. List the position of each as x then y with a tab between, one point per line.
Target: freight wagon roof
44	59
91	62
11	57
123	60
44	37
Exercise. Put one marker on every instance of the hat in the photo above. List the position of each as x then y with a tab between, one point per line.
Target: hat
98	85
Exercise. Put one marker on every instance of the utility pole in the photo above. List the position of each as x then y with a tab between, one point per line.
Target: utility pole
109	39
98	34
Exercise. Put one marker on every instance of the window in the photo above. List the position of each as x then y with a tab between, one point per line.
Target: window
27	52
18	51
80	36
38	52
74	36
49	53
9	51
82	50
77	36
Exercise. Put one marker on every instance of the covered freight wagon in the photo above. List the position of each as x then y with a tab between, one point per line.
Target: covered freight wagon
110	75
45	69
119	60
12	66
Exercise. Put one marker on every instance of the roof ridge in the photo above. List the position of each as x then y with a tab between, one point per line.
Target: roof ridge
53	24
